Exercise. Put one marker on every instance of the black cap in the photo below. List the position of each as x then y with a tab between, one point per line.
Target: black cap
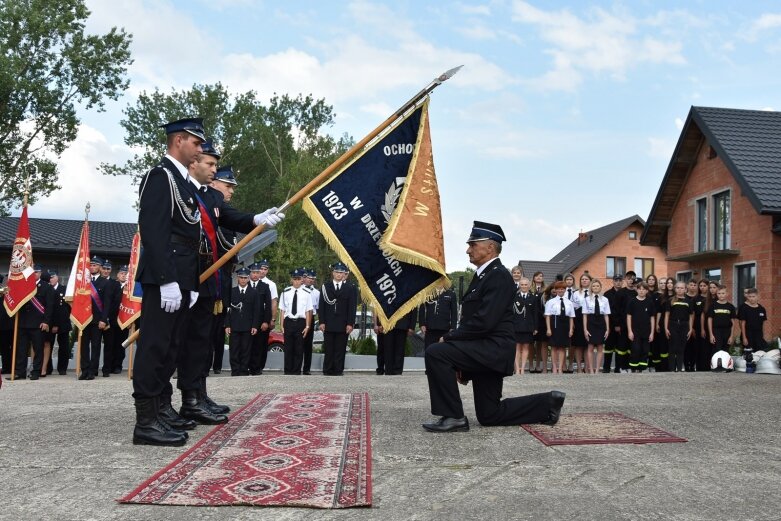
192	126
207	147
123	268
618	276
242	272
225	174
486	231
297	273
96	260
340	267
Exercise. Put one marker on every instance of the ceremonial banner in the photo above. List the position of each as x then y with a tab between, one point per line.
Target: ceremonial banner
353	209
22	284
79	288
130	306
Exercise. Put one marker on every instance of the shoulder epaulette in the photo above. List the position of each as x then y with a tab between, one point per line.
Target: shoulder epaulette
307	289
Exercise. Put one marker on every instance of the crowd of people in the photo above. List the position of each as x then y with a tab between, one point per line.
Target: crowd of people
654	324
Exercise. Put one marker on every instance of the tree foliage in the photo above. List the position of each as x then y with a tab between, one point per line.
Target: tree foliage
48	68
274	148
457	276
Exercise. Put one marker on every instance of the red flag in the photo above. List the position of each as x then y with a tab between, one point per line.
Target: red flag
130	307
22	284
80	283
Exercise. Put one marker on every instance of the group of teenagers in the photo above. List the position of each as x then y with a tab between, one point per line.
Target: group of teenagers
636	325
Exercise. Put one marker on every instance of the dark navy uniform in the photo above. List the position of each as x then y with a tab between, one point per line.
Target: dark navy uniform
62	321
243	317
394	342
39	310
482	349
6	338
120	335
526	317
438	316
258	353
336	312
102	299
112	329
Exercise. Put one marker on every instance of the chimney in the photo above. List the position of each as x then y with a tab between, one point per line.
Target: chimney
582	237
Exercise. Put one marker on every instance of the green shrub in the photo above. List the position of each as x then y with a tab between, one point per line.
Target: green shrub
362	346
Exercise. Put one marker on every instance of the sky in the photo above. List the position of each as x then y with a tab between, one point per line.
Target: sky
563	119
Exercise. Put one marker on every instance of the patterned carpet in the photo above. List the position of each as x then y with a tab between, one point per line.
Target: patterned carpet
599	428
305	450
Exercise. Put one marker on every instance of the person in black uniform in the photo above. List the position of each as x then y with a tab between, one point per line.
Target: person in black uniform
482	349
120	335
613	342
258	353
91	336
225	183
241	323
35	317
6	334
678	326
526	315
111	329
394	342
295	306
61	324
438	316
197	327
338	305
624	345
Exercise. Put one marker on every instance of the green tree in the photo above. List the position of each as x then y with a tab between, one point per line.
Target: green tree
48	68
274	148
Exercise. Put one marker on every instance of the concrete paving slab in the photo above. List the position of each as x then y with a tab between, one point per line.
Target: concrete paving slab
66	451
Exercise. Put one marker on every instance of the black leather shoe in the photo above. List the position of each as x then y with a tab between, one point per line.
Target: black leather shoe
308	373
216	371
62	373
83	375
194	408
170	417
149	430
106	375
116	371
445	424
90	376
557	402
215	407
34	376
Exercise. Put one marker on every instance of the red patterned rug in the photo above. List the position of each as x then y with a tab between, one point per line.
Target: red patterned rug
599	428
304	450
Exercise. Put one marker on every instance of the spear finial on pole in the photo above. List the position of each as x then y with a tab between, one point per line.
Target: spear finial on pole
86	212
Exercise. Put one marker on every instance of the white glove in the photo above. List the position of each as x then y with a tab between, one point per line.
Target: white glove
270	218
193	298
170	297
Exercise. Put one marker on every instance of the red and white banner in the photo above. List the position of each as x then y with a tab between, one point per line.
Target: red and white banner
22	284
79	287
130	306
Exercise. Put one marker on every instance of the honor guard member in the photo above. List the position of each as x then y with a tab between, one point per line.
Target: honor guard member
241	323
91	336
170	226
197	332
259	350
110	332
120	335
338	304
395	341
438	316
35	317
61	324
310	278
225	183
295	305
482	349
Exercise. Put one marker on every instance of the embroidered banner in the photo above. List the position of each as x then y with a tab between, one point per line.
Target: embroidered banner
130	306
22	284
79	288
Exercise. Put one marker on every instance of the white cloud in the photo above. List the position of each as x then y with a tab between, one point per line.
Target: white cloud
660	147
482	10
679	123
766	21
478	32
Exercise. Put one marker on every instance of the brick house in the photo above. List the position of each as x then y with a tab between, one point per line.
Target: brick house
603	252
718	210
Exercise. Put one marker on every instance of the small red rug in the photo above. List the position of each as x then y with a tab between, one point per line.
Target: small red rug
599	428
304	450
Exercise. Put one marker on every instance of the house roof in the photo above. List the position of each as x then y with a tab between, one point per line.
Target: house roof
62	235
589	243
749	144
549	269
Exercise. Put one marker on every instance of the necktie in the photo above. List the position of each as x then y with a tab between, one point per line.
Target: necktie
242	291
255	284
596	304
569	293
563	310
585	293
294	308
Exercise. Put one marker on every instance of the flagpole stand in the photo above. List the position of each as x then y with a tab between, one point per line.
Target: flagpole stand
78	354
13	355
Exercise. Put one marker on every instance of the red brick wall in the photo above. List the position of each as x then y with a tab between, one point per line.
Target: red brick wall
623	246
751	234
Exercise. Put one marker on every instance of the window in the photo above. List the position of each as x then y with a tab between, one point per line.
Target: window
615	266
632	236
721	221
644	267
684	276
745	277
712	274
702	224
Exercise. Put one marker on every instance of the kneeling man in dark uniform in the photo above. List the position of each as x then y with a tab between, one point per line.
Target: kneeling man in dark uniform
482	349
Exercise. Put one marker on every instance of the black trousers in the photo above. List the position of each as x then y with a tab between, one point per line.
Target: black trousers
239	352
623	350
432	336
62	338
722	336
334	351
395	341
640	349
120	335
109	349
380	353
90	347
294	345
258	353
195	355
157	348
442	361
6	341
308	344
677	347
26	337
218	341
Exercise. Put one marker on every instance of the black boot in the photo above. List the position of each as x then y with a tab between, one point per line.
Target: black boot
196	409
169	415
214	407
149	430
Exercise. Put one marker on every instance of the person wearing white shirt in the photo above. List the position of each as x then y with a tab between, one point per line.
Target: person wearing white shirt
596	325
295	304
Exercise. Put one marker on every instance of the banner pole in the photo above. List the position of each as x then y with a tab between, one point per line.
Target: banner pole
130	352
13	355
78	353
322	176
